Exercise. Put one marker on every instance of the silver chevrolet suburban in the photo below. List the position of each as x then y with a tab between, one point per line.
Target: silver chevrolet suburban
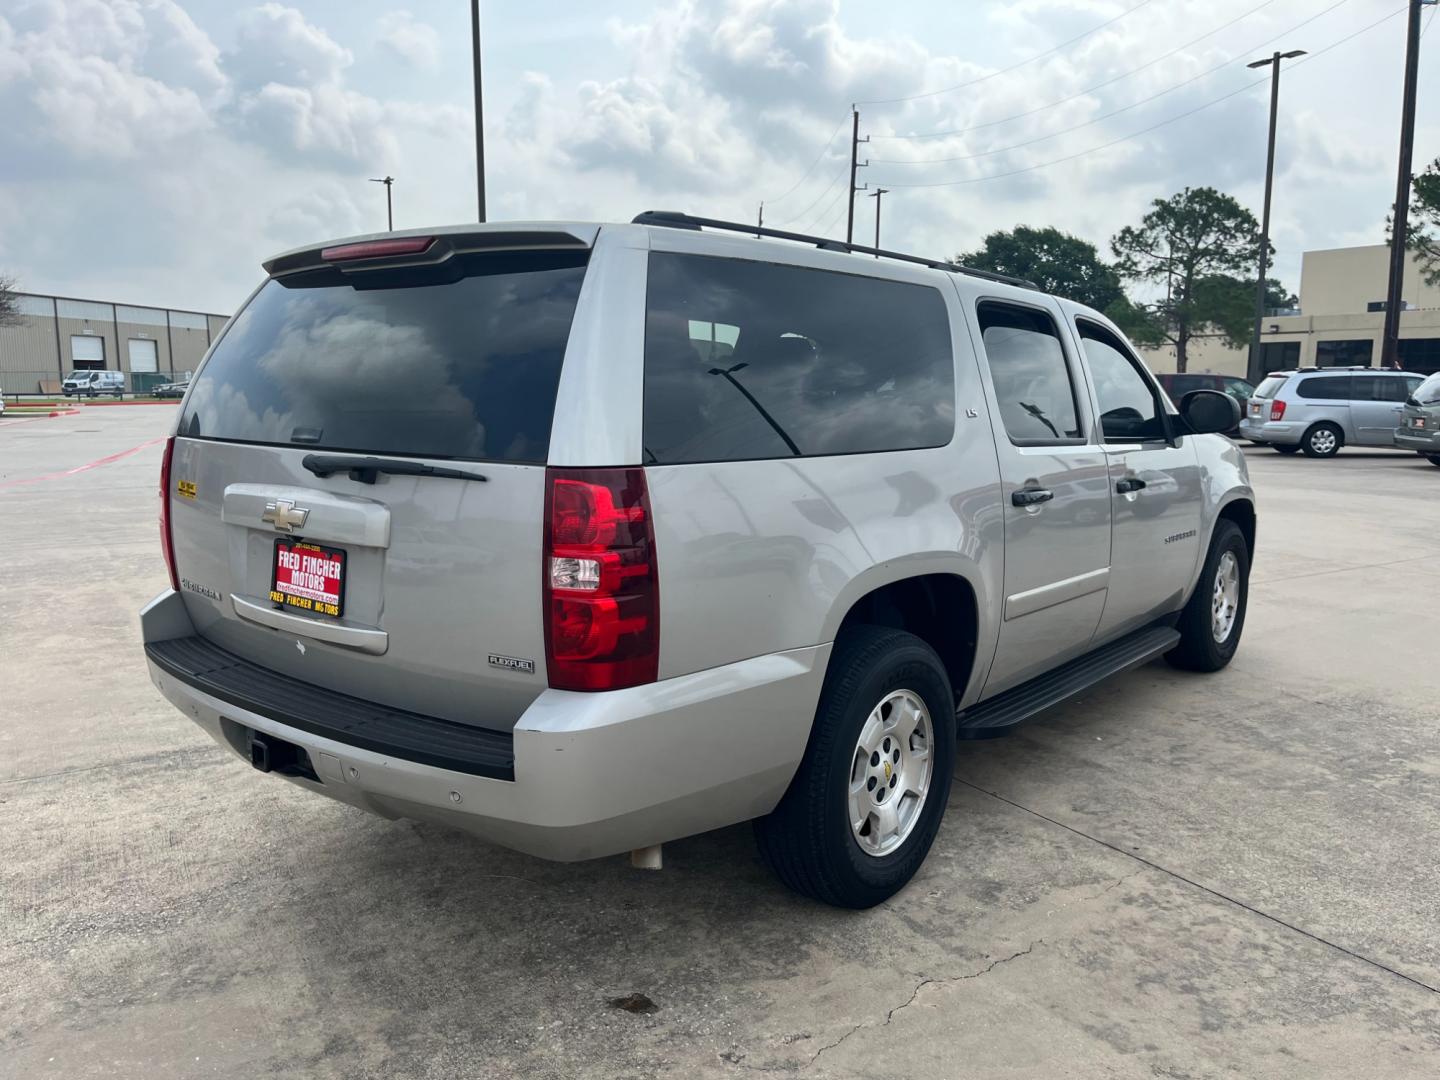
588	537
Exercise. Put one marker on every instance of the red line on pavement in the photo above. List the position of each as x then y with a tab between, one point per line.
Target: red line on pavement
83	468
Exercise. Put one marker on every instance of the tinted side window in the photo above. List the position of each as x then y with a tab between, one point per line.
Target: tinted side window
1129	408
1396	387
800	362
1032	380
1332	388
456	361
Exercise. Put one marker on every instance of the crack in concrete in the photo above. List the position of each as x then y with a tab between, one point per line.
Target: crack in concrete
738	1059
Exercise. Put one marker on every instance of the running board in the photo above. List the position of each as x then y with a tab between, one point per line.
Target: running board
1001	714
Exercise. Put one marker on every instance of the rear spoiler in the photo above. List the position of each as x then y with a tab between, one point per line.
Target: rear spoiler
444	243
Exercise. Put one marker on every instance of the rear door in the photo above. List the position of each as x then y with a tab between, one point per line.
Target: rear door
1377	403
298	552
1055	491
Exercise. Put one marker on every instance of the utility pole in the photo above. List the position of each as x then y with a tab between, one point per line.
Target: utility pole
760	219
1394	296
389	207
876	196
855	142
479	110
1273	61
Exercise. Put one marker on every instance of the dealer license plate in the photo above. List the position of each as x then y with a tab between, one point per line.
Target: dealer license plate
308	577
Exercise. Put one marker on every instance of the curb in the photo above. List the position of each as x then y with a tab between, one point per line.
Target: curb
19	413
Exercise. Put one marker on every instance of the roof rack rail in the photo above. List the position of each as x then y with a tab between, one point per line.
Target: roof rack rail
672	219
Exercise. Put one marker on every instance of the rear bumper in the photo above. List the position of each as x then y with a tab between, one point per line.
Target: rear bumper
1407	439
593	774
1271	431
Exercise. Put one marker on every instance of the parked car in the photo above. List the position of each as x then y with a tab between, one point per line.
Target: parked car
1419	427
905	504
171	389
94	383
1319	410
2	401
1178	384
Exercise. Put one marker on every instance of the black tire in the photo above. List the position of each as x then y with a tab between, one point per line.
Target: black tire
1318	433
1286	449
807	840
1198	650
1434	459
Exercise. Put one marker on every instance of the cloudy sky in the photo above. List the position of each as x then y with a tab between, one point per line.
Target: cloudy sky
155	151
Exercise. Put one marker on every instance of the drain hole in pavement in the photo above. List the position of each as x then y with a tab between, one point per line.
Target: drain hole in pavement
634	1003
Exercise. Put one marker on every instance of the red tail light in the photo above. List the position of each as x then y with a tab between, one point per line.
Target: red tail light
1277	410
167	540
378	249
602	592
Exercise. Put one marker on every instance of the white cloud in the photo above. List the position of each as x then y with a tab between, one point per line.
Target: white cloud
413	42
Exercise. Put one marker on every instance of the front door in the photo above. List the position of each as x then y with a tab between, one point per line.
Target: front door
1154	488
1055	485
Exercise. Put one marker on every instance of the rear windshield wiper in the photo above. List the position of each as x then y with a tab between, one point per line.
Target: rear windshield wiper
366	469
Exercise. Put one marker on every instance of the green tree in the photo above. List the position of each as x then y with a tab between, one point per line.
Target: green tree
1198	244
1056	261
9	302
1424	235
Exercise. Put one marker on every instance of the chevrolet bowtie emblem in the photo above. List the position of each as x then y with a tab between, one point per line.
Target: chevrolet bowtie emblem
284	515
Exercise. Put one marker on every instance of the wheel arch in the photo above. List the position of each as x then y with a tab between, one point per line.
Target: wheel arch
942	608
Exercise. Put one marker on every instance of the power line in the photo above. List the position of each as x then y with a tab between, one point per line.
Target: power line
828	188
1013	67
1142	131
823	211
1104	116
1124	75
817	160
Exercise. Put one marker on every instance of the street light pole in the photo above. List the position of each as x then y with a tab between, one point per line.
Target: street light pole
1400	224
479	111
876	196
1273	62
389	207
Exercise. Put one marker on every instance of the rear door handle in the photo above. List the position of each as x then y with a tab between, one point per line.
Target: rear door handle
1031	496
1129	484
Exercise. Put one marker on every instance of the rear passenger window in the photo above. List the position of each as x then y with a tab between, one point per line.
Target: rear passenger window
747	360
1028	370
1331	387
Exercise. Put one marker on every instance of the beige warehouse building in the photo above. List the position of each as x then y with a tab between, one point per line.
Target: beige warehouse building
1338	324
57	335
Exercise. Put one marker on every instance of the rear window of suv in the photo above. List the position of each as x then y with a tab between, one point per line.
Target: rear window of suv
747	360
1269	387
459	361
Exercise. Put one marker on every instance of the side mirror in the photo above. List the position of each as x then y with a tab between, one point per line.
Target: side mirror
1207	412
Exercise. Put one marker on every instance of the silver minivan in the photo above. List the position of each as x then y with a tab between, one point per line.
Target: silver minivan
1319	410
589	537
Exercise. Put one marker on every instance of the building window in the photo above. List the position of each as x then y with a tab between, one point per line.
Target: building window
1279	356
1420	355
87	353
1343	353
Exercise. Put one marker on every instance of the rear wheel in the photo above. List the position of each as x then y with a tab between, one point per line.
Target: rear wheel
1434	459
1211	623
1287	449
1322	440
864	807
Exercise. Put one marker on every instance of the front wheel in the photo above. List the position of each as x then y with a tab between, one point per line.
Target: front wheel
863	808
1434	459
1211	622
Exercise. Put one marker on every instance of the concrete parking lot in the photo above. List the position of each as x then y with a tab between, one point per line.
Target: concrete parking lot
1177	876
